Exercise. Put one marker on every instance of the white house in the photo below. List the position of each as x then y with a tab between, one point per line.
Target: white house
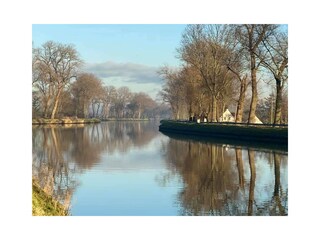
257	120
227	117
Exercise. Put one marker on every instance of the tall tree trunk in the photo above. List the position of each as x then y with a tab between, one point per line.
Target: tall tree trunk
84	109
93	108
240	105
47	100
217	111
139	111
190	110
214	109
271	112
77	106
56	101
98	108
252	181
106	110
254	97
45	110
277	116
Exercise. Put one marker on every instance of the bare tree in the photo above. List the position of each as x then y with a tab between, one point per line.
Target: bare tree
55	64
36	104
66	105
122	99
87	89
275	60
41	83
251	37
108	98
173	90
220	62
140	101
97	100
235	62
205	47
195	91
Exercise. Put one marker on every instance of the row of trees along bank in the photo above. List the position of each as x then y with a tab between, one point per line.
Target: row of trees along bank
61	89
220	65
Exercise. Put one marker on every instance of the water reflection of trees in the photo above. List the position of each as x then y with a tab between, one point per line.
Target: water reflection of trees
227	181
50	166
59	152
121	135
278	203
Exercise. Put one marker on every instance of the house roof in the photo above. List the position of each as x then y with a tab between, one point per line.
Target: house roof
227	112
257	120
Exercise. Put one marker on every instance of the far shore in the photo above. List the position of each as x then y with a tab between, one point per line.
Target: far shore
39	121
73	120
126	119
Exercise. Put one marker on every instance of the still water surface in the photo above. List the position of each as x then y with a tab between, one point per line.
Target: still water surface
130	169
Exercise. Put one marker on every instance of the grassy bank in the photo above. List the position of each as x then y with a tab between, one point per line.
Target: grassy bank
45	205
260	133
39	121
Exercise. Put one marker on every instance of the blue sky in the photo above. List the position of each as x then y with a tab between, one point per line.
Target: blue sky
120	54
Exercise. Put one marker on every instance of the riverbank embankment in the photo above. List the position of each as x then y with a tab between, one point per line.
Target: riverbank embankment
240	132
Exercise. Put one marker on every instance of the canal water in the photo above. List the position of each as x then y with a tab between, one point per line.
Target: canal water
131	169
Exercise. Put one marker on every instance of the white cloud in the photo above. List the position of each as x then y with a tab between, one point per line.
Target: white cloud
129	72
137	77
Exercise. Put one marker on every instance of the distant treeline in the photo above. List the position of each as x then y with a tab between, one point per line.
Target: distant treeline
60	89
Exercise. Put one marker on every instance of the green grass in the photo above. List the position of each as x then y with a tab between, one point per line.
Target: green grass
45	205
239	132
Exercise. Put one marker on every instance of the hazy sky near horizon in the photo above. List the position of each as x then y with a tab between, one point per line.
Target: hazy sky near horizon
120	54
